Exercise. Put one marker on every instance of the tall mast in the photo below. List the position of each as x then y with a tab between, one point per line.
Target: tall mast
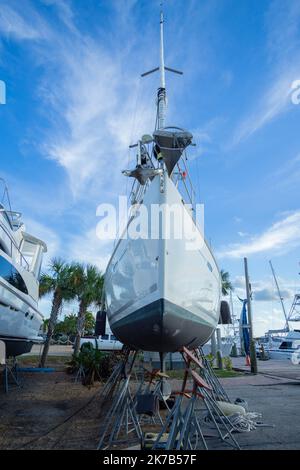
280	297
162	57
161	94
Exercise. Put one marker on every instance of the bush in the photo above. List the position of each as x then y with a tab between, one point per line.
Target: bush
211	359
227	362
96	365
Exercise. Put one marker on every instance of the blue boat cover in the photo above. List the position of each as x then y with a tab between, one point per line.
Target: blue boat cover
245	328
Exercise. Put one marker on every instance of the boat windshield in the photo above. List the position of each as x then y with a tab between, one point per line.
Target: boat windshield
286	345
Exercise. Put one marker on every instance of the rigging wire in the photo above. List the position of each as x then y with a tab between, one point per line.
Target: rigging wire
133	125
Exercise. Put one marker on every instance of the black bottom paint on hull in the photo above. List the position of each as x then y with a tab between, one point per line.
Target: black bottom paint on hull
16	347
162	326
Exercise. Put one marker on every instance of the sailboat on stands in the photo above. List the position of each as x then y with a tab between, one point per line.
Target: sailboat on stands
160	295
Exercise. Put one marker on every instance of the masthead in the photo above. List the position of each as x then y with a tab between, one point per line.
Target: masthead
161	93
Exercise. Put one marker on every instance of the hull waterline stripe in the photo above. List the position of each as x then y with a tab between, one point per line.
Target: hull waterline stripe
163	306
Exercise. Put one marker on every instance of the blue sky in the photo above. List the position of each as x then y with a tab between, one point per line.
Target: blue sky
75	101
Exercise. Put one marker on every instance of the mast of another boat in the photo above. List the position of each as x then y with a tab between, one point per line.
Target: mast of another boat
280	297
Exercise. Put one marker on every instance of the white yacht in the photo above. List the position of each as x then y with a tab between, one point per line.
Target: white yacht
287	347
20	263
161	295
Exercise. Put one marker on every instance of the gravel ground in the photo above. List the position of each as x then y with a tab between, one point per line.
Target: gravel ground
50	411
33	417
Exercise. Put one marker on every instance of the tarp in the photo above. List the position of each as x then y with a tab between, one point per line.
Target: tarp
245	328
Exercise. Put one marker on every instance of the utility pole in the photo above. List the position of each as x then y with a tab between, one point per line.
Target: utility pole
253	358
213	343
219	349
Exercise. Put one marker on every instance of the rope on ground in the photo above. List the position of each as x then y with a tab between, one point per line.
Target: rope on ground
244	422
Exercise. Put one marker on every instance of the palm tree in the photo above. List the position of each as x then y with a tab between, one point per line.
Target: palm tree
89	285
226	283
45	325
58	282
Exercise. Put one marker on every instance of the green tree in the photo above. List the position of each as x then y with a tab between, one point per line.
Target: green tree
45	325
89	285
226	283
59	282
89	325
67	326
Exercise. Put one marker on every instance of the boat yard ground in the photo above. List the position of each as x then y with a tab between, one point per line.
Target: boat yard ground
50	411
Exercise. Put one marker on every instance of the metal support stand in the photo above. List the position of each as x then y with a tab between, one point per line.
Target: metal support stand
80	375
119	372
195	417
122	413
210	377
185	423
10	371
156	387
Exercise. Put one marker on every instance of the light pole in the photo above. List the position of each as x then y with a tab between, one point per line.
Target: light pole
253	359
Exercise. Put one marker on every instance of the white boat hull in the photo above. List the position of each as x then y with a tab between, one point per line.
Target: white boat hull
281	355
20	321
226	349
20	263
160	295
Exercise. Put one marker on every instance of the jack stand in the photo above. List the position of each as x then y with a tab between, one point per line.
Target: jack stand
122	413
184	422
151	390
11	371
80	375
210	377
119	372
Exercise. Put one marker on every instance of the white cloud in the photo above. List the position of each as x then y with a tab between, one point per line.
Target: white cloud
266	309
88	248
88	99
276	100
281	237
64	10
242	234
287	175
45	304
15	25
268	293
46	235
282	27
94	106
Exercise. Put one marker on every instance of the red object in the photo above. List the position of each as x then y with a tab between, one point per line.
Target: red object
191	357
184	174
199	381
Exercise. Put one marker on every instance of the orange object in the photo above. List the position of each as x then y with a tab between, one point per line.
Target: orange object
199	381
190	356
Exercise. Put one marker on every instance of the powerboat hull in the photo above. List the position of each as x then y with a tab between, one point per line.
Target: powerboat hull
289	345
20	321
20	263
160	294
